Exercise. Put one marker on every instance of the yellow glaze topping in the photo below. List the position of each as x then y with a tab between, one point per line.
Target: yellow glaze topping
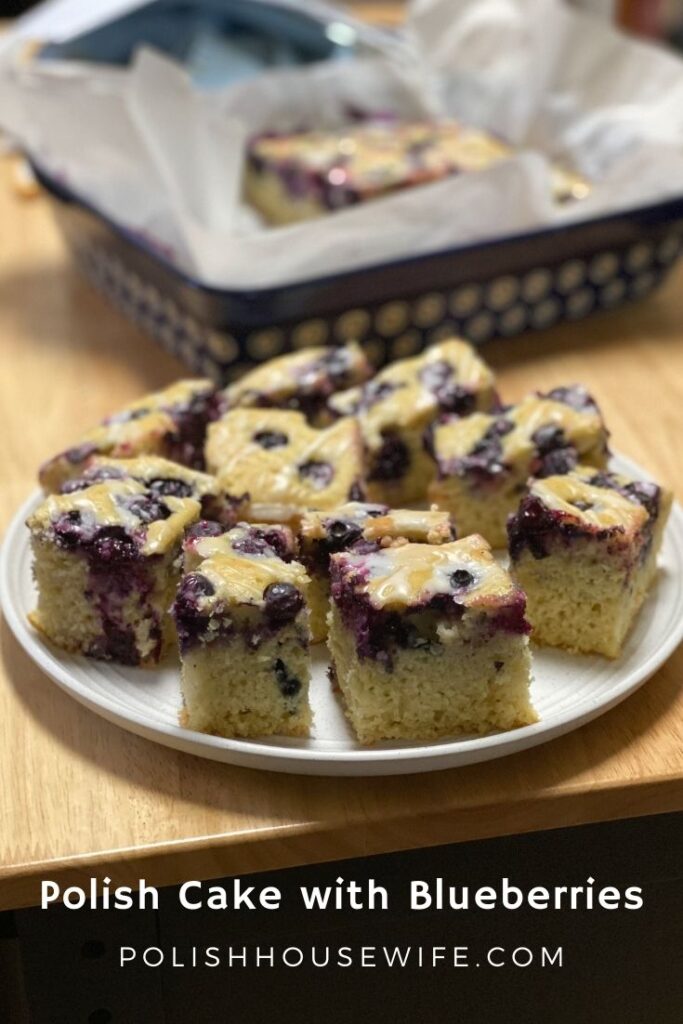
409	574
582	428
432	526
273	474
297	372
145	468
600	507
107	504
408	399
239	580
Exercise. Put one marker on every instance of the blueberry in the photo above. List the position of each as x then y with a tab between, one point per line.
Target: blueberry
194	586
454	398
318	474
646	494
81	453
170	488
283	602
548	438
289	684
356	492
147	509
461	578
583	506
557	463
254	542
112	544
335	362
392	460
68	530
270	438
204	528
342	533
575	396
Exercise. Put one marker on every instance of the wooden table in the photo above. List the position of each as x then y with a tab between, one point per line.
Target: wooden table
80	796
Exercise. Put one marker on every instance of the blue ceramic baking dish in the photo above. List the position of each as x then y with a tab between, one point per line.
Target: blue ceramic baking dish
482	291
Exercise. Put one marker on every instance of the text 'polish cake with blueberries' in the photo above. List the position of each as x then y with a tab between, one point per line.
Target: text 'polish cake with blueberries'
395	408
584	548
285	465
429	641
106	564
243	634
483	461
355	526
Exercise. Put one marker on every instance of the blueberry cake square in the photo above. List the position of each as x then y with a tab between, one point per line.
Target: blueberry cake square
259	540
584	548
294	177
429	641
284	464
106	565
302	381
483	461
171	423
359	526
243	634
166	479
397	405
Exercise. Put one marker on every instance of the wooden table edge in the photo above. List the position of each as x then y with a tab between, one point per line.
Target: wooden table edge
206	857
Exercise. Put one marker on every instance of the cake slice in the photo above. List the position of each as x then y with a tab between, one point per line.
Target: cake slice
359	526
167	479
429	641
171	423
106	565
584	548
242	626
302	381
397	405
258	540
284	464
483	461
294	177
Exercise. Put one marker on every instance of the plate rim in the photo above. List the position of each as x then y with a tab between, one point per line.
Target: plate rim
259	753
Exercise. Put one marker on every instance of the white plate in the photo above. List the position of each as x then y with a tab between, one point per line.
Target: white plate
568	690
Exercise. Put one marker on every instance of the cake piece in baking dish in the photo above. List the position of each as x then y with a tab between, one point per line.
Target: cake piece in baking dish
397	405
243	634
584	548
284	464
483	461
359	526
302	381
429	641
106	565
302	175
257	540
171	423
166	479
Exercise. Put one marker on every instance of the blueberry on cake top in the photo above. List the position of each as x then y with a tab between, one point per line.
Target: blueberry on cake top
484	460
171	423
106	567
251	540
242	626
359	526
427	641
302	175
584	547
302	381
166	479
397	405
285	465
